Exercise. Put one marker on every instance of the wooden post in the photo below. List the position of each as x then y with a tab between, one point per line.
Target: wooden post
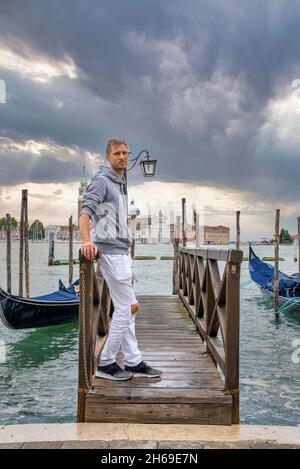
176	240
233	332
238	232
51	248
133	231
85	346
176	234
21	249
70	250
183	221
194	217
149	228
175	266
298	244
197	239
177	227
132	249
8	252
276	263
26	246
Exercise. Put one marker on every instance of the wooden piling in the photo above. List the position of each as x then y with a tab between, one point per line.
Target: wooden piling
132	247
70	250
238	231
276	263
51	249
176	256
183	221
21	249
149	228
8	252
26	245
197	234
298	244
194	219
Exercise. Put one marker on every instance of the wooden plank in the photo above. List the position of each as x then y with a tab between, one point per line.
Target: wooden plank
201	414
208	382
157	363
141	395
194	355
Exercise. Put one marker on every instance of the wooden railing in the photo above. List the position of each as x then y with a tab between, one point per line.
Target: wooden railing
214	305
95	309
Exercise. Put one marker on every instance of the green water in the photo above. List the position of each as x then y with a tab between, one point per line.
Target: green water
38	376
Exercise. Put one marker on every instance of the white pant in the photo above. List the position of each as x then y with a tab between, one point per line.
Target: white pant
117	272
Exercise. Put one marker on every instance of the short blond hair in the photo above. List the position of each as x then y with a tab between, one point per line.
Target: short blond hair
114	141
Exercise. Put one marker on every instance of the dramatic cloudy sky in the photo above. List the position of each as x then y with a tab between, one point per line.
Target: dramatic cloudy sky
208	86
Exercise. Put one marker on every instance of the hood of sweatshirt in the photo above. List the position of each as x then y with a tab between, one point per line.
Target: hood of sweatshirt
111	174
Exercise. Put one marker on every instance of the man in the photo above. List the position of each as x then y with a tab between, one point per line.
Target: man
105	203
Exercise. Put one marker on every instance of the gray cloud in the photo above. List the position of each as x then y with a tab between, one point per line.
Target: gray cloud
190	80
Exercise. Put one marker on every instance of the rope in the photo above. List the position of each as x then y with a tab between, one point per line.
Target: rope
86	376
246	283
289	304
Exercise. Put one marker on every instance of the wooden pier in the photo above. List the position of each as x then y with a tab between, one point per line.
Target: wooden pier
192	336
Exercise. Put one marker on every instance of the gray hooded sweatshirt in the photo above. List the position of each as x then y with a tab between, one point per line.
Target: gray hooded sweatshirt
105	202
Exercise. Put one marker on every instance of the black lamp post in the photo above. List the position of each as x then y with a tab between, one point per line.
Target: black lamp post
148	164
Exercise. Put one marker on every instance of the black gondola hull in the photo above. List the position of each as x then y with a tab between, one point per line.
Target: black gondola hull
22	313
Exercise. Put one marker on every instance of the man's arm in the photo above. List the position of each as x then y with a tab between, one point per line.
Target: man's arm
88	248
93	196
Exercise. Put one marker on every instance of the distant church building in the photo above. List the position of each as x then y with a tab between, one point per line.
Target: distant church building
81	191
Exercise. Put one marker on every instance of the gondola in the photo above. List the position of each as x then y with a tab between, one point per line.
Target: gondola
55	308
262	273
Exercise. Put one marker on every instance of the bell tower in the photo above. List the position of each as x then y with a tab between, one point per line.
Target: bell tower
81	191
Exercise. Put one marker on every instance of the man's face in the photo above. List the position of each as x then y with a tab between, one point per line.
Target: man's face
118	157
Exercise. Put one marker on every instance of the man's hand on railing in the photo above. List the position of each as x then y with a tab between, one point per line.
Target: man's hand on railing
88	250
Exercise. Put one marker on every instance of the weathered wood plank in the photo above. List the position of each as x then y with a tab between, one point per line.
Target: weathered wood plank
140	395
201	414
206	381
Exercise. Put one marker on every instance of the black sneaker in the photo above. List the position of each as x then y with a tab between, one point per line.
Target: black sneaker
142	369
113	372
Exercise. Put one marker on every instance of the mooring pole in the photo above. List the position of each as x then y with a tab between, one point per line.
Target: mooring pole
21	248
197	231
51	248
176	240
70	250
183	221
27	282
8	252
298	244
276	264
238	231
194	218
